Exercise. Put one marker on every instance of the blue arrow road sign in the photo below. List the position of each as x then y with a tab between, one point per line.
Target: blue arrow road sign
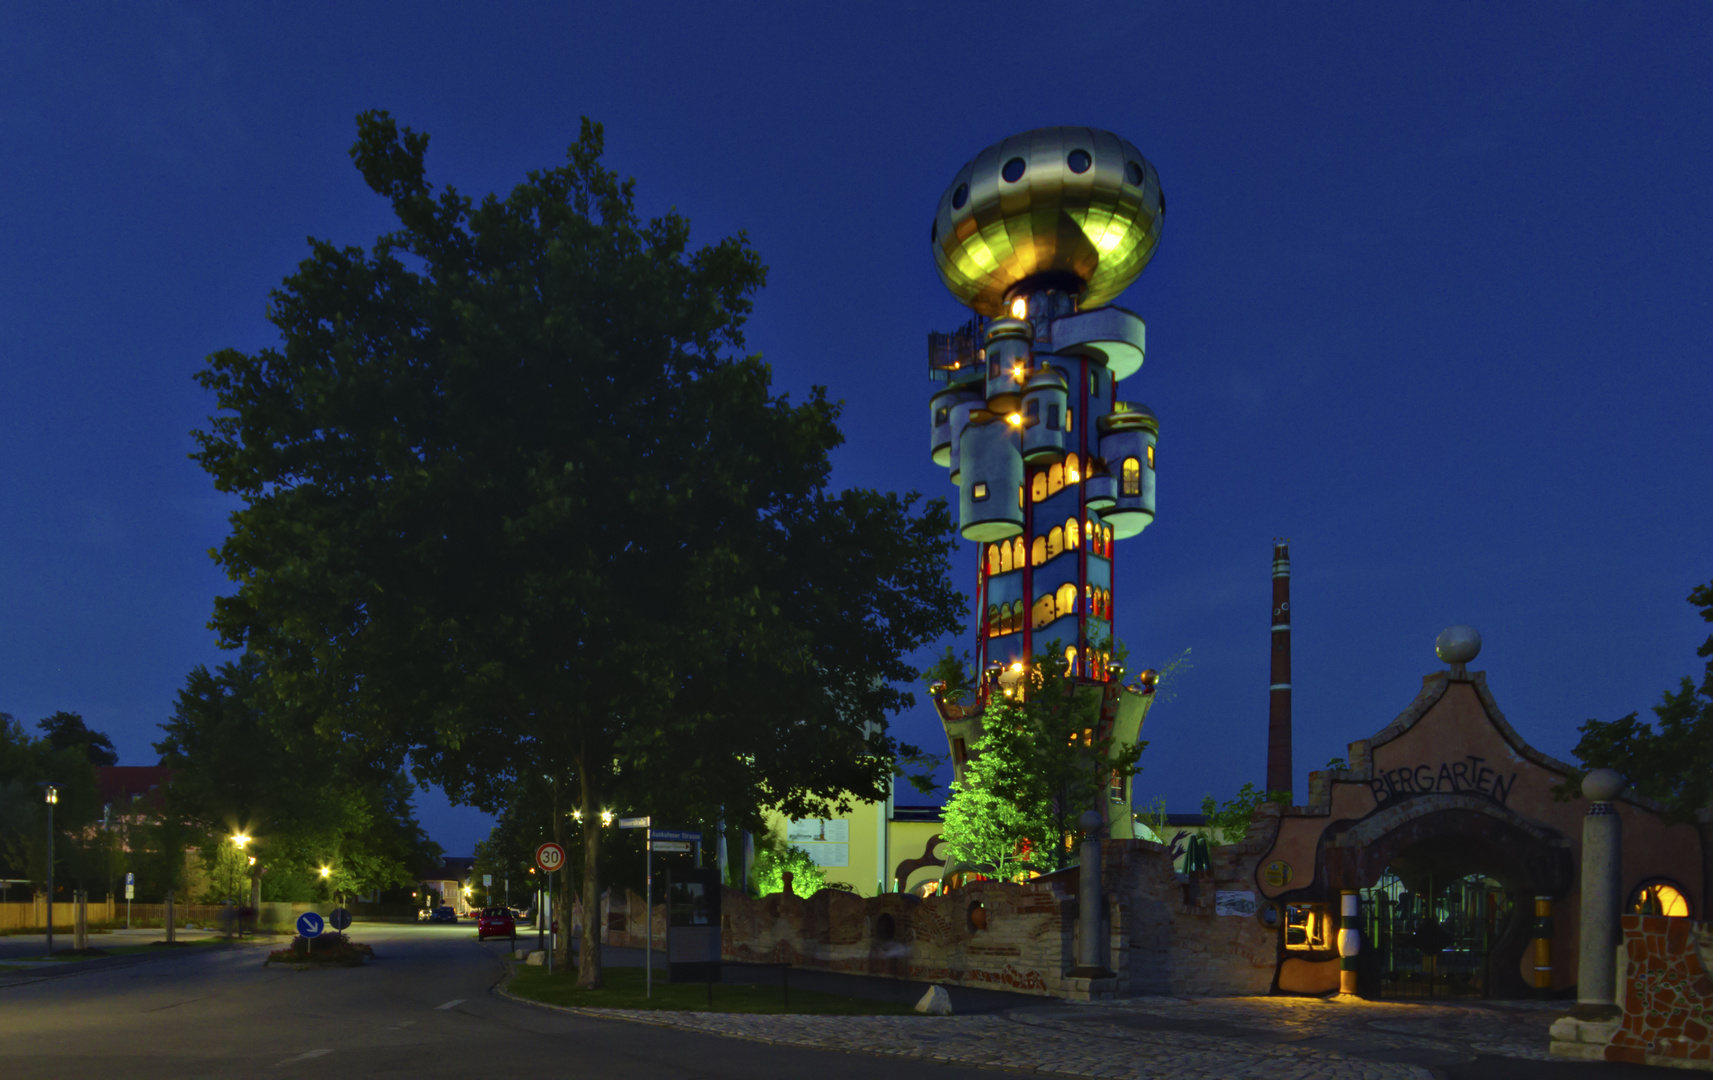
309	925
675	834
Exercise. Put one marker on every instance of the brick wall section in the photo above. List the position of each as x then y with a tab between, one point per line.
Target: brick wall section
1163	938
1668	994
1167	939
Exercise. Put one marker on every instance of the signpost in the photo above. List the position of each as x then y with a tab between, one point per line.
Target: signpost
130	891
550	857
309	928
647	901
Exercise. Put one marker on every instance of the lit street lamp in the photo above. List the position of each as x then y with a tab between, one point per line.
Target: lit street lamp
52	797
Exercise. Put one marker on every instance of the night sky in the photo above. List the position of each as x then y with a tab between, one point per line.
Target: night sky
1432	299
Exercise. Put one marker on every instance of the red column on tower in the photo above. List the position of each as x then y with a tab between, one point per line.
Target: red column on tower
1279	692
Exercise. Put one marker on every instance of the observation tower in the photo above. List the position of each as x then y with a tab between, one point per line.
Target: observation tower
1036	234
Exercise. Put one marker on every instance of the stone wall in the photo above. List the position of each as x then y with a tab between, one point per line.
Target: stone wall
1167	935
1164	935
1668	994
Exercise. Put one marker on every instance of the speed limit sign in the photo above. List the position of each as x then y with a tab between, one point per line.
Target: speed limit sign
550	857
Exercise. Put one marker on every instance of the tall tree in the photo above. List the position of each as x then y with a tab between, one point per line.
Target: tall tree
67	731
514	504
1673	761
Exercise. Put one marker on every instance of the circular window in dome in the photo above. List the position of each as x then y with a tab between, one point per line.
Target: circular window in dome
1013	170
1133	172
1079	161
960	196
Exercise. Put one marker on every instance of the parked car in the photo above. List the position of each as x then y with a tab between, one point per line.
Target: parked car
425	914
443	914
495	922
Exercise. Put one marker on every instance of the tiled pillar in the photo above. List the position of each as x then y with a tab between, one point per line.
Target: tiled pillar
1601	862
1349	939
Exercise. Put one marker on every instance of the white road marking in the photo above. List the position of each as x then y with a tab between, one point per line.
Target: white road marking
310	1055
449	1004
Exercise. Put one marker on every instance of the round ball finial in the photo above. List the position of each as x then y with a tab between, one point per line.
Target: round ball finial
1072	208
1602	785
1458	644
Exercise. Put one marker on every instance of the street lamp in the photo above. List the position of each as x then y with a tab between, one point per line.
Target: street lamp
51	795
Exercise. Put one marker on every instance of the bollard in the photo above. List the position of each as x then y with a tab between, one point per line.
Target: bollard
169	918
1089	897
1543	943
1349	939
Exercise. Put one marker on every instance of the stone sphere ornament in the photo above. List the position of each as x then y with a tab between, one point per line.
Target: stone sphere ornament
1602	785
1458	644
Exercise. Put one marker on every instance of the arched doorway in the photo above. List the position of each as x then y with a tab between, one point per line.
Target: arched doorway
1447	897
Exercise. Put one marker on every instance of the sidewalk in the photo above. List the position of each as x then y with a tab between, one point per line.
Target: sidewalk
1144	1038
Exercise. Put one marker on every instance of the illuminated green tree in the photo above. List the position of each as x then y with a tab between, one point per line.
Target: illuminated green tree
1040	763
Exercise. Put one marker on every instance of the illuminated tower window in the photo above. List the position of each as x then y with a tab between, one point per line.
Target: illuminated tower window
980	492
1017	554
1004	557
1055	542
1071	466
1070	534
1038	487
994	558
1130	478
1055	479
1150	457
1039	555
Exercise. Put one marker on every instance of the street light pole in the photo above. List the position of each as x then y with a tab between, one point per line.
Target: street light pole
52	798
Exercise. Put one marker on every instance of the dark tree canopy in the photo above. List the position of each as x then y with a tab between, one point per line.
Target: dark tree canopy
516	505
67	731
1673	761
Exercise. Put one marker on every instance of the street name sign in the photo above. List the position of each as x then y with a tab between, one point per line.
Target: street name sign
633	823
688	836
339	918
672	847
309	925
550	857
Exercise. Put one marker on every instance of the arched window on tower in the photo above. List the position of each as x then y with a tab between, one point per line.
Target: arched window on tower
1017	553
1055	542
1070	534
995	620
1044	613
1016	616
1071	660
1067	599
1055	479
1003	556
1038	487
994	559
1039	554
1130	478
1073	469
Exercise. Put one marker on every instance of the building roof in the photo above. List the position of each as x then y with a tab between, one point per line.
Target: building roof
451	868
116	784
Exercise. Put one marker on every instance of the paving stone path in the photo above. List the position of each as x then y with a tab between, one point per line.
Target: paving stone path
1274	1038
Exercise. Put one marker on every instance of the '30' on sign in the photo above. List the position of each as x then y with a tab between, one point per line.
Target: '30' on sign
550	857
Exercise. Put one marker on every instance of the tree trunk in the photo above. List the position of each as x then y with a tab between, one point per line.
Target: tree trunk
589	962
559	910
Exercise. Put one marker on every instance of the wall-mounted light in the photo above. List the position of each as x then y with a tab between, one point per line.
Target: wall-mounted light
1020	308
1014	419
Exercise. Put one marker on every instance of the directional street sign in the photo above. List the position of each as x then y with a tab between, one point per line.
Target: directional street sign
686	835
309	925
550	857
670	847
339	918
487	881
633	823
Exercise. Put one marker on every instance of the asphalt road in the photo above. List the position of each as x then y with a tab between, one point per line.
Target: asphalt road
424	1008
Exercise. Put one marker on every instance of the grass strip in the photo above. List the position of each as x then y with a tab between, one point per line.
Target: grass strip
624	990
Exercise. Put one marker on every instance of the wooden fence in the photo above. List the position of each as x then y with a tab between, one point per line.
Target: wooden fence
32	914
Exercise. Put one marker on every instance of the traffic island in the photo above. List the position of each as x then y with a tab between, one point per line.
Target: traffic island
327	950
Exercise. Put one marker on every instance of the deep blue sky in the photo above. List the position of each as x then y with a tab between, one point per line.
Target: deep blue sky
1433	300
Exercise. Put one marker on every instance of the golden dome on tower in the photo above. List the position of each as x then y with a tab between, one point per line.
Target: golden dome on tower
1071	208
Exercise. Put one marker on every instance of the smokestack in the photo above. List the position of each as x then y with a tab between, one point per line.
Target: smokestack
1279	693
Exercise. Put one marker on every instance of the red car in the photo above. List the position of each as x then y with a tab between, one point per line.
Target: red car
496	922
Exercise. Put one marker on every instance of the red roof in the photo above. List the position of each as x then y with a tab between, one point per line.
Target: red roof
116	784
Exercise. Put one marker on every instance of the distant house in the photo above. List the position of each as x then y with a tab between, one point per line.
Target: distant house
130	792
447	880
